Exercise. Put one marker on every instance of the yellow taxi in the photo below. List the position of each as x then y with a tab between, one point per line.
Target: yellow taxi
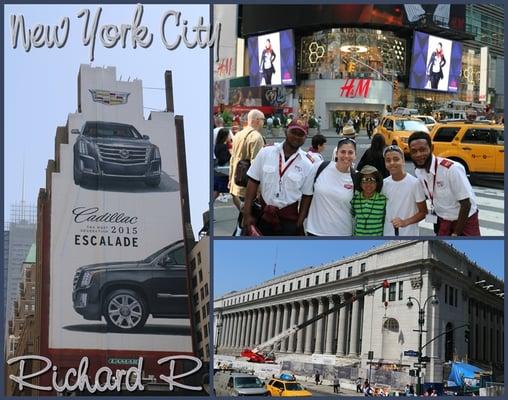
478	146
397	129
286	388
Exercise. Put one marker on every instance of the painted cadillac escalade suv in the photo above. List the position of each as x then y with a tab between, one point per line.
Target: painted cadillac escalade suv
114	150
126	293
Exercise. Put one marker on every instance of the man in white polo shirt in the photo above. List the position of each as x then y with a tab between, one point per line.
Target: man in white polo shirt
453	202
283	174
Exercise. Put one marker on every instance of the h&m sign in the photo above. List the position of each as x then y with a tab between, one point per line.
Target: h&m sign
354	87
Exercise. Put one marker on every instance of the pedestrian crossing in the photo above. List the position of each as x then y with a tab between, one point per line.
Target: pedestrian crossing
491	213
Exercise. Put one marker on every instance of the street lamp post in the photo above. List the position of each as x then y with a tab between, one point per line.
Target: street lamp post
421	322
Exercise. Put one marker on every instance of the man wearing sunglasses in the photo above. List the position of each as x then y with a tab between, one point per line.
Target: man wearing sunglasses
454	210
283	175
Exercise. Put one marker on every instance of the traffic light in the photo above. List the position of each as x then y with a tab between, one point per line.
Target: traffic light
466	335
351	66
412	372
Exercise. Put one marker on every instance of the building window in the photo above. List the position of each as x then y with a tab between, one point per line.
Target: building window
199	258
317	279
194	282
307	282
206	289
270	292
205	330
456	296
446	294
391	291
258	295
337	275
263	293
291	286
276	289
469	274
362	267
202	293
349	272
203	312
198	317
450	298
299	285
200	274
193	265
327	277
283	288
401	290
391	324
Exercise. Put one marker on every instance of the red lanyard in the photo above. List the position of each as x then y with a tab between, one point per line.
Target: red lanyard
431	195
282	171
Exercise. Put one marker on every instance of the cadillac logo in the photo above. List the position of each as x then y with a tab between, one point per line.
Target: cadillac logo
108	97
124	154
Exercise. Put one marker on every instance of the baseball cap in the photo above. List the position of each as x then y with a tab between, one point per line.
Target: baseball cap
298	124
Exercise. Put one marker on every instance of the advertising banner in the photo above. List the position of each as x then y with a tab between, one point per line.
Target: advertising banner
117	267
484	69
436	63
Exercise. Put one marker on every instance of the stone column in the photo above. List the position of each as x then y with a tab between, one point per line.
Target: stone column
292	322
330	325
299	334
308	330
247	329
285	316
341	334
264	327
258	326
277	325
233	330
355	320
252	339
238	330
319	328
243	328
271	323
224	330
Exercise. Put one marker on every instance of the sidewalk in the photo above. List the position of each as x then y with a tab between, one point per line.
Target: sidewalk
328	389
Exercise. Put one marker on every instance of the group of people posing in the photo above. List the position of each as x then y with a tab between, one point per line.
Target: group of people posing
300	193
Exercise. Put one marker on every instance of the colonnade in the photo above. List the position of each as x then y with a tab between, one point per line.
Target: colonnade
337	333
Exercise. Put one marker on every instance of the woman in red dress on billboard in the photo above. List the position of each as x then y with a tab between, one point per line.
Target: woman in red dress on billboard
435	66
266	66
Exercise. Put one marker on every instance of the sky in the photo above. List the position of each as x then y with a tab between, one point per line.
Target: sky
239	264
41	90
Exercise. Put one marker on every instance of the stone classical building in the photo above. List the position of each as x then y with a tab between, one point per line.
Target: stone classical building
382	323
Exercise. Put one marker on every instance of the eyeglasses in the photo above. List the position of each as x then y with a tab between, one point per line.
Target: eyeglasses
392	147
368	180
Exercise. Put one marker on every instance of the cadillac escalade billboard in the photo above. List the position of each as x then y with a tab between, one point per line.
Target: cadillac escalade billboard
118	277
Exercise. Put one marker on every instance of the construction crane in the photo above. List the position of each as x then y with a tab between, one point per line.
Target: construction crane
260	354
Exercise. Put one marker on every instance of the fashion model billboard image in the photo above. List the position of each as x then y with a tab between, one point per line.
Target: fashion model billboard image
436	63
272	60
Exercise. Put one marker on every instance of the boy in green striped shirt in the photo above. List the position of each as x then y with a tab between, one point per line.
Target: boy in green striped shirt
368	205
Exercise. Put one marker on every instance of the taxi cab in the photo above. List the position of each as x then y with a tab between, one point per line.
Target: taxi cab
397	129
285	386
478	146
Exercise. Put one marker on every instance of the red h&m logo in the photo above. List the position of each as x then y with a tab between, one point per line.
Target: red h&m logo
355	88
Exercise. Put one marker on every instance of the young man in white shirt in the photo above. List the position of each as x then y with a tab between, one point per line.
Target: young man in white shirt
453	202
283	175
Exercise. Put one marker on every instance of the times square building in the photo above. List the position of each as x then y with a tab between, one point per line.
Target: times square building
382	324
360	60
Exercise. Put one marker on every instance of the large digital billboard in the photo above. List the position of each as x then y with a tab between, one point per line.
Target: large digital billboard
272	59
436	63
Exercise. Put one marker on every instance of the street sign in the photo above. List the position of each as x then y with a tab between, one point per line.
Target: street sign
411	353
425	359
420	365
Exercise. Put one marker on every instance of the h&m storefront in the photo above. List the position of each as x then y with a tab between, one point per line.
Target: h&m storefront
350	97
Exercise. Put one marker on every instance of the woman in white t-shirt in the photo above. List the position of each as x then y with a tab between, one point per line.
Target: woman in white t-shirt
406	200
330	205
